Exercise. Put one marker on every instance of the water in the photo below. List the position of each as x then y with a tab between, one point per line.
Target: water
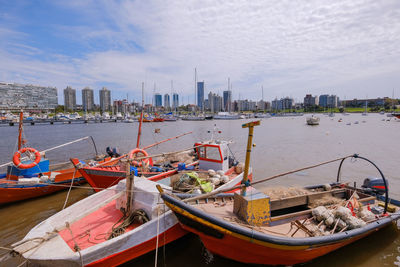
282	144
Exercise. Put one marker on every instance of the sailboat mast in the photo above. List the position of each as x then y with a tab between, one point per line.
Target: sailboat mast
141	119
262	98
195	86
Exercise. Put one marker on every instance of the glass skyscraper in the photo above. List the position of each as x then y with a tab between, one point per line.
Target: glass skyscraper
200	94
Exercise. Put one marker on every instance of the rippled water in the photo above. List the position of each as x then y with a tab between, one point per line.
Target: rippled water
282	144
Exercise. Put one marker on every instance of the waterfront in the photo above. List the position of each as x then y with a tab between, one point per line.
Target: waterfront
282	144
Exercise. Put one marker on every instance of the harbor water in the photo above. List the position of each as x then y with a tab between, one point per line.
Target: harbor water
282	144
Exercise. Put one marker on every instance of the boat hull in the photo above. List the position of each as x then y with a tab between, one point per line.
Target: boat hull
10	191
234	243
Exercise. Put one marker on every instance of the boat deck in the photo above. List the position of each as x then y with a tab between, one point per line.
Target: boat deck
225	212
291	215
94	228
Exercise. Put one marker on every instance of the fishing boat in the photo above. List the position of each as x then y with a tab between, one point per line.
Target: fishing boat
125	221
313	120
254	227
106	175
32	175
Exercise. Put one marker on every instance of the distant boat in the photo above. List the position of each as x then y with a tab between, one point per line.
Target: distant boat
262	115
397	115
313	120
193	118
226	116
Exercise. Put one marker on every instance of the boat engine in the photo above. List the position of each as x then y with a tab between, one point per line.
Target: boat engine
113	152
374	185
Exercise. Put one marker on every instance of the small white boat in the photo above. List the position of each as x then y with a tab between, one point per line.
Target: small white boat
313	120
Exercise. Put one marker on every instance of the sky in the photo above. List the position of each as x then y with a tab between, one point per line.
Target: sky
288	48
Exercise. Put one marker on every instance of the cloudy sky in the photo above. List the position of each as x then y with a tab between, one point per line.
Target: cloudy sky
347	48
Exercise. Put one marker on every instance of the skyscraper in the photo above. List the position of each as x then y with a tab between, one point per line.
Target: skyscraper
323	100
69	98
227	100
167	104
158	100
105	99
175	101
200	94
87	99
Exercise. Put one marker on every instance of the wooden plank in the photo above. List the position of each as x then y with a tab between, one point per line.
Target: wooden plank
303	199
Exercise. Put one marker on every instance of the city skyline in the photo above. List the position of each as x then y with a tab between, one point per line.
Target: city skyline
346	49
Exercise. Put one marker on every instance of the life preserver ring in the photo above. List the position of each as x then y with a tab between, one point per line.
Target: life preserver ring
17	158
147	161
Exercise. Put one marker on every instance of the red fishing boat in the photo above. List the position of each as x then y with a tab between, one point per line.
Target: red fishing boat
32	176
286	229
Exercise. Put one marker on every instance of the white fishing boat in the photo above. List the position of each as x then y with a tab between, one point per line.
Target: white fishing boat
103	230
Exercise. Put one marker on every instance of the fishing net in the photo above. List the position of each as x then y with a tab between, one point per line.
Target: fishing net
280	192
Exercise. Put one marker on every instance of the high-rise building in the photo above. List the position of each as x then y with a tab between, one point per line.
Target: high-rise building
27	96
227	100
323	100
157	100
215	102
200	94
332	101
167	104
310	101
69	98
175	101
87	99
105	99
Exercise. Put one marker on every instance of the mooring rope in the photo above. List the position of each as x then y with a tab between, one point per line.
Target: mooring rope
158	232
69	190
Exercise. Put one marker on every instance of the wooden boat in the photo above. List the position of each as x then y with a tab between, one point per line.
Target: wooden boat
257	228
80	235
33	176
103	176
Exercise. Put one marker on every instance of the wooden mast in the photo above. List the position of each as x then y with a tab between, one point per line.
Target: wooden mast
21	118
141	119
249	125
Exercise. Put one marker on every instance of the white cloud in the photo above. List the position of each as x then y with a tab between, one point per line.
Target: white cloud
292	48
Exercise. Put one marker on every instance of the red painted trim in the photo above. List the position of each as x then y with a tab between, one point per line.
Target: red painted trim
207	159
170	235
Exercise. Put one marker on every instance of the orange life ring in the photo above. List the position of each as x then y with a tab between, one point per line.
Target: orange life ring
17	158
135	151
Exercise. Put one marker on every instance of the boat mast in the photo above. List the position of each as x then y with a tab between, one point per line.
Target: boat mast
141	119
20	128
195	87
249	125
262	98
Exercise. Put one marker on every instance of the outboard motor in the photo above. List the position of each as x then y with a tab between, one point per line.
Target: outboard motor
374	185
113	152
